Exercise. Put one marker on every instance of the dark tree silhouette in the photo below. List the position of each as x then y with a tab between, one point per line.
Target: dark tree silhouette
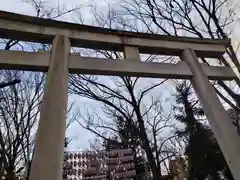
204	157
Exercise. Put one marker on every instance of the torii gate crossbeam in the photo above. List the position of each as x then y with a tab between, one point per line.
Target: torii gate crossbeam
48	156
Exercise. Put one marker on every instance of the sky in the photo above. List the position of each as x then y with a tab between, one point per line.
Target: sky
80	137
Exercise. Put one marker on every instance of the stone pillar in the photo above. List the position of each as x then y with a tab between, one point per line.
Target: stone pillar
223	129
47	161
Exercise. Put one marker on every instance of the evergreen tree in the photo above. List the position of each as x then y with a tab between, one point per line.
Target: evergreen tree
205	159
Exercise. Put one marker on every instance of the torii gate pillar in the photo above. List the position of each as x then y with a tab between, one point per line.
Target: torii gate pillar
47	161
224	130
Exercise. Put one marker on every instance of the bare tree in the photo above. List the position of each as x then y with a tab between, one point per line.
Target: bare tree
213	19
121	97
124	98
19	110
148	124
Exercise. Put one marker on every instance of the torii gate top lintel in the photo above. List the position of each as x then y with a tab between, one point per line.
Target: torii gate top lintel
28	28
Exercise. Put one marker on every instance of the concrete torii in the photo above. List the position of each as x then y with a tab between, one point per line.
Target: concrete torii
48	157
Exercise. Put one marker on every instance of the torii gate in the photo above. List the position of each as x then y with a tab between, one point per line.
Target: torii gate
48	157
